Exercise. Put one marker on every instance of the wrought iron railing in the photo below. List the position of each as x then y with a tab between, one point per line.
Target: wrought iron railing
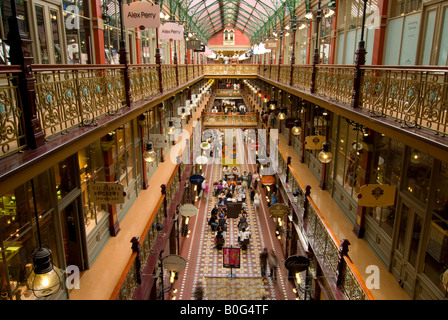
12	128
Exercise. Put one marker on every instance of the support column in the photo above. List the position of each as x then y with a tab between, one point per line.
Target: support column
98	32
20	54
379	41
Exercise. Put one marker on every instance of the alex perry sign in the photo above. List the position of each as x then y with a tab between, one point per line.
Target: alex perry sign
141	15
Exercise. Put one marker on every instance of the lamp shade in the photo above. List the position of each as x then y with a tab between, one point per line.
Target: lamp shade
297	129
149	155
171	127
325	155
45	279
282	115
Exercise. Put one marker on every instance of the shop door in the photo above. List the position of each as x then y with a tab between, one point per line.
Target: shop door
72	235
434	47
406	250
47	19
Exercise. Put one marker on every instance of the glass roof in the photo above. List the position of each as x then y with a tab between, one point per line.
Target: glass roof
252	17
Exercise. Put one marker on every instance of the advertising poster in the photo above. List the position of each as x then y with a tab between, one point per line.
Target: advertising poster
231	257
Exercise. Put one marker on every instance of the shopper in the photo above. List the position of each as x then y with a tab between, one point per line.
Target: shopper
273	261
264	262
257	202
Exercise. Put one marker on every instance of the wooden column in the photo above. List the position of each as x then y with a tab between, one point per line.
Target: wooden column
21	54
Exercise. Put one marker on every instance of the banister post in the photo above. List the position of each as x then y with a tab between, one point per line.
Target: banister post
343	250
305	201
165	203
288	162
138	264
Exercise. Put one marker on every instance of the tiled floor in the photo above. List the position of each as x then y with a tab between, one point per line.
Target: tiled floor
205	261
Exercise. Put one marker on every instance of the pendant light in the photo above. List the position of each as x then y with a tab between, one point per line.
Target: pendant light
297	129
45	279
149	155
325	155
171	128
281	115
272	105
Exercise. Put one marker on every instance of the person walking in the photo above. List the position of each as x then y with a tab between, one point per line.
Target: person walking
264	262
257	202
199	292
249	180
273	261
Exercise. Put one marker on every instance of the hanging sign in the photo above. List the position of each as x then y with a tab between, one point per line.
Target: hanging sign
200	49
188	210
141	14
278	210
175	263
106	193
267	180
376	195
171	30
271	44
314	142
193	44
158	140
196	179
296	264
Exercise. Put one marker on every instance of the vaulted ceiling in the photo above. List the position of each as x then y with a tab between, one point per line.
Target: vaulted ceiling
253	17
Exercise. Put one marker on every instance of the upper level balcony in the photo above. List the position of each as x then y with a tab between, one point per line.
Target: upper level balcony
409	103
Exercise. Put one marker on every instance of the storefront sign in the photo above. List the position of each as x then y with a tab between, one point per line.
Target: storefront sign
158	140
106	193
297	263
314	142
174	263
231	257
194	44
141	14
267	180
196	179
271	44
376	195
188	210
171	30
278	210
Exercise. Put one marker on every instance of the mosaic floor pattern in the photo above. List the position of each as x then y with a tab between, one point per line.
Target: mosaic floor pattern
234	288
209	270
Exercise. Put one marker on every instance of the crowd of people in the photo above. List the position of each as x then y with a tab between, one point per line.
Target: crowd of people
235	187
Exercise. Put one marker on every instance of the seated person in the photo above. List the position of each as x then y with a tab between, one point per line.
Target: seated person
243	236
235	170
222	201
225	184
213	222
229	194
242	223
222	222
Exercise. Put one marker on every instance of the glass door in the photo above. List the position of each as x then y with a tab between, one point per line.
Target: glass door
434	47
47	33
406	251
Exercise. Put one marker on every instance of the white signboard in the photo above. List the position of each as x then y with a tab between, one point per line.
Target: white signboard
171	30
158	140
141	14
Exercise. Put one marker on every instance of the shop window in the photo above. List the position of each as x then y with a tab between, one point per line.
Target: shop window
123	155
402	7
112	34
19	235
418	175
349	155
386	168
65	177
91	170
436	257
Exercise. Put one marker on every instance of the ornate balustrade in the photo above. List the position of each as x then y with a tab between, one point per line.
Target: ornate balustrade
230	69
12	130
222	119
144	81
68	96
413	96
335	82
